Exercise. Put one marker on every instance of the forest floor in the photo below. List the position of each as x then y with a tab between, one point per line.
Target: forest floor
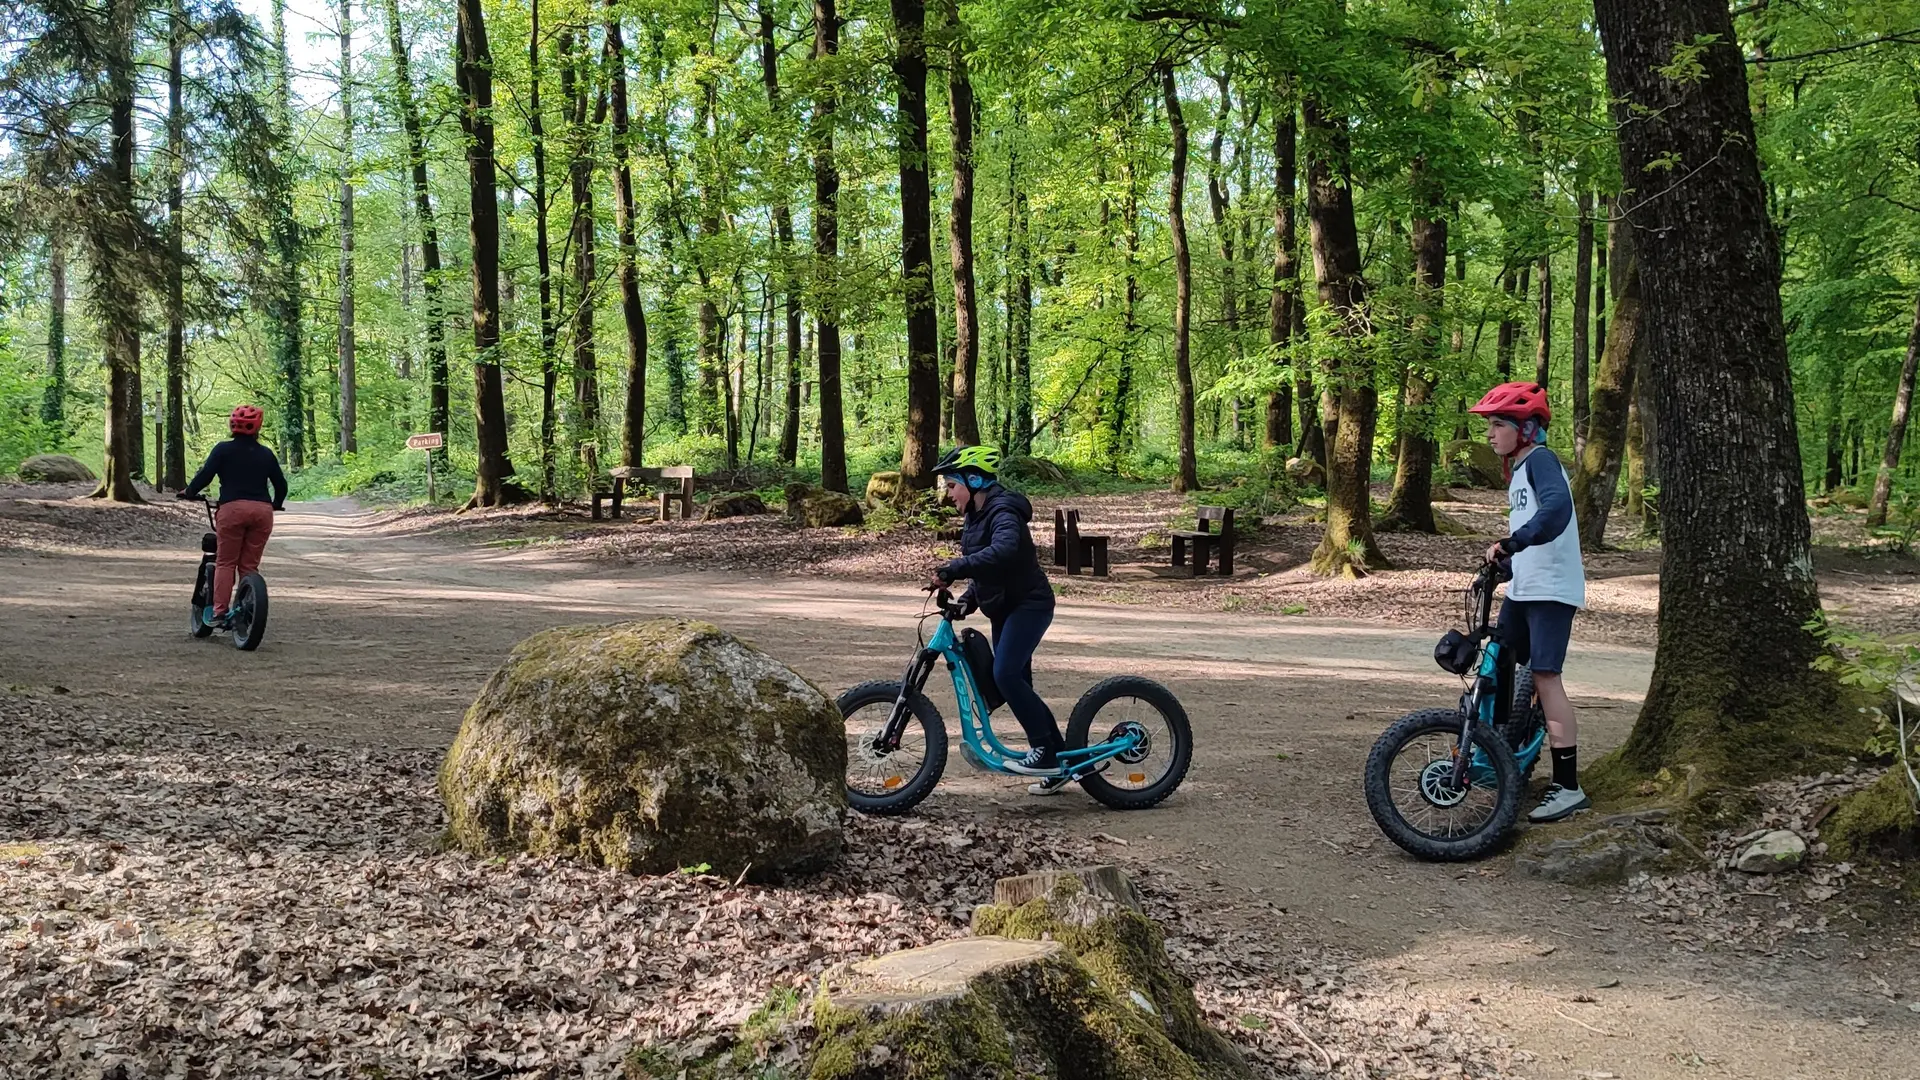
214	853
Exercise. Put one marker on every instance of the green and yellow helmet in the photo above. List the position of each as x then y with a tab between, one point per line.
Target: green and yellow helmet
977	465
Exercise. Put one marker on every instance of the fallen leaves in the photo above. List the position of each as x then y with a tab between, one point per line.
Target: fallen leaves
204	903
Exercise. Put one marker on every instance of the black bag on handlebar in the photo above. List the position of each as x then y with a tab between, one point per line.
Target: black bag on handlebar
980	658
1455	653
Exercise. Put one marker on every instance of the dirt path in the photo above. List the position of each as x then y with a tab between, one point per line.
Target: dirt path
382	637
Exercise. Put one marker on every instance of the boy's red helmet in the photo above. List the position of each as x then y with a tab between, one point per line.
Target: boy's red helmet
245	420
1516	401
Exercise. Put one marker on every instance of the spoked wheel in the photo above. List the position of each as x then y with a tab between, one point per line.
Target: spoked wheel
1130	706
197	624
1410	788
248	617
891	781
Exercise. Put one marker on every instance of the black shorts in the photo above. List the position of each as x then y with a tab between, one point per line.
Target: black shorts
1537	631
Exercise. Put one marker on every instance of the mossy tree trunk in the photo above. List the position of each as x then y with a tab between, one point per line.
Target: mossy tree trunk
1410	507
1286	271
1187	479
1347	546
1897	433
1598	466
1732	698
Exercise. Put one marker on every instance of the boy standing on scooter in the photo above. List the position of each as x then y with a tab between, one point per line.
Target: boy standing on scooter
1549	581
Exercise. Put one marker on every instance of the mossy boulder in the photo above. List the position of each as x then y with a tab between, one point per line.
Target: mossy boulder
1877	820
817	508
885	488
733	504
55	469
1306	472
649	747
1476	461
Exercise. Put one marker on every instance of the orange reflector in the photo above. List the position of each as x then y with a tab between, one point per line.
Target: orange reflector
894	782
1136	778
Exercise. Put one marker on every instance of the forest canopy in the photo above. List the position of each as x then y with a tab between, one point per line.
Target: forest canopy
832	238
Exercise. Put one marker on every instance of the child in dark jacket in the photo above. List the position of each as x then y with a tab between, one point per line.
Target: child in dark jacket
1010	588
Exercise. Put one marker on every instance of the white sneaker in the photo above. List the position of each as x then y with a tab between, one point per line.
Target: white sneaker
1559	803
1052	785
1037	762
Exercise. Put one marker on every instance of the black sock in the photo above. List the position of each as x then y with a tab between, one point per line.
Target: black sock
1566	769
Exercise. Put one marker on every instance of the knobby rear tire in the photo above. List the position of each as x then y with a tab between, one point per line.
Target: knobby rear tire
251	595
1170	710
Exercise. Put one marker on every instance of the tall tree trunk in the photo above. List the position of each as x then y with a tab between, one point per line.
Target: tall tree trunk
1732	691
783	235
1120	415
922	444
1410	506
288	294
114	297
1602	278
1645	476
543	260
1543	327
1505	339
173	457
1897	434
634	420
475	76
1187	479
439	409
53	401
349	381
581	126
826	248
1348	546
1286	269
1021	358
966	303
1582	300
1598	472
1220	203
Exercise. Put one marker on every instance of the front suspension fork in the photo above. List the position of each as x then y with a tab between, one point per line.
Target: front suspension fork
911	682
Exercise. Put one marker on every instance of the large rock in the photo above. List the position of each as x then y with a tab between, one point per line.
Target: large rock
650	747
1306	472
884	488
1623	845
55	469
1477	460
1879	819
1781	849
818	508
733	504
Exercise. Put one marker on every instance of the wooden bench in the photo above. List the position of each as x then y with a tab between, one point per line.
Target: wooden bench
680	491
1205	541
1074	549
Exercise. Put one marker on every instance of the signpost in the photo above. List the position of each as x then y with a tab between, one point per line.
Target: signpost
429	442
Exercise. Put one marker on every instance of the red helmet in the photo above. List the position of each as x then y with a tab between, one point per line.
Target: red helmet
1516	401
245	420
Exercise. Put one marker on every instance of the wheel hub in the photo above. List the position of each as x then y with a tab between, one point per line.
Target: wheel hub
1436	785
1143	741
